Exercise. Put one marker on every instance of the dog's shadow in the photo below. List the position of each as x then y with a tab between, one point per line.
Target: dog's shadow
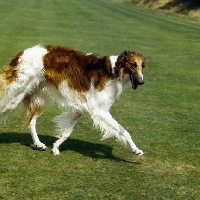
92	150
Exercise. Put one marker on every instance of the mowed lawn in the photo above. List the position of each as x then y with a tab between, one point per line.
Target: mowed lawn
162	116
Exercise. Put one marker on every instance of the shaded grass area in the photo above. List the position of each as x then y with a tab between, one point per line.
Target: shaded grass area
162	115
183	8
183	5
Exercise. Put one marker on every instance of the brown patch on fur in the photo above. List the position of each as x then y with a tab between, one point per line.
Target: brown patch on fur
32	108
100	72
10	71
78	69
2	85
15	61
10	74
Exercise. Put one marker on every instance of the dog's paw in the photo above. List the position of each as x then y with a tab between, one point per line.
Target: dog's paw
55	152
139	152
41	147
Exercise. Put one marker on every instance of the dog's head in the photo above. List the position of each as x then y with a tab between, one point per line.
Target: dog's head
132	63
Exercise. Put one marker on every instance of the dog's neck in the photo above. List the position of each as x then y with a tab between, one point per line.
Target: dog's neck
124	77
113	60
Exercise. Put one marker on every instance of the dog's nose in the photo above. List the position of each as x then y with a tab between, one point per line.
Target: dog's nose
140	83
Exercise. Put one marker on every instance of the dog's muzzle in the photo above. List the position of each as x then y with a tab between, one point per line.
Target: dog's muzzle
135	82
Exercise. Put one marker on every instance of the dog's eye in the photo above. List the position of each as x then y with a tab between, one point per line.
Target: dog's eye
134	65
143	65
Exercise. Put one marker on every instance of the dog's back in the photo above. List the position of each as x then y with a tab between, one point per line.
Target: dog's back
38	67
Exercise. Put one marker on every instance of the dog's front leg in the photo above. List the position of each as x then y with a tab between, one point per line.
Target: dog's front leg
134	148
110	127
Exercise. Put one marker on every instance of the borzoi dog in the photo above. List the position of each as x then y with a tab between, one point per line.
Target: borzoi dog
78	81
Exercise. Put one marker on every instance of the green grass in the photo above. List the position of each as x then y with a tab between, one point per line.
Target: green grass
162	115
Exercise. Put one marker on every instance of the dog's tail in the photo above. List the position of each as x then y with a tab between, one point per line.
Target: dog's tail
20	78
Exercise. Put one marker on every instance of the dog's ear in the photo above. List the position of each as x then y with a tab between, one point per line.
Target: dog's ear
122	59
126	53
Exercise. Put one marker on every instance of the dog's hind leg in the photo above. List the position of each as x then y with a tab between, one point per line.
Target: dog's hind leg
111	128
65	122
36	140
34	104
13	93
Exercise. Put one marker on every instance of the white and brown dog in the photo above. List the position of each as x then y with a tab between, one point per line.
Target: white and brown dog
79	82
